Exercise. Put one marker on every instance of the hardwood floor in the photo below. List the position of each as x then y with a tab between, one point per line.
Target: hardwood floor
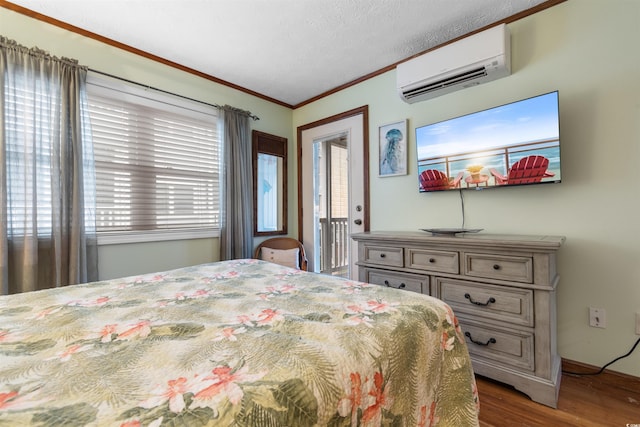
608	399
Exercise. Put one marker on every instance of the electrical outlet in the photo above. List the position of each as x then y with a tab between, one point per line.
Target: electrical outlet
638	323
597	317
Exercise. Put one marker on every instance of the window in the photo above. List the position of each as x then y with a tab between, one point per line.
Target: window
31	108
157	164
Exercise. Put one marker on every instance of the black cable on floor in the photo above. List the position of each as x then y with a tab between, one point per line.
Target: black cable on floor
605	366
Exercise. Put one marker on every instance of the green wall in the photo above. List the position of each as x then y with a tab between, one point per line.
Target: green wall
586	49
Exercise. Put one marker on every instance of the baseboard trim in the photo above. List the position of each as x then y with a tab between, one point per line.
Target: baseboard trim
614	377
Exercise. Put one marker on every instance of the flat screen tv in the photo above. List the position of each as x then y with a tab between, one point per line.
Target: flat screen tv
509	145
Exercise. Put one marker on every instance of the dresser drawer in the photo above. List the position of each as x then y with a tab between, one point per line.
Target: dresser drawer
431	260
409	282
501	267
508	347
384	255
499	303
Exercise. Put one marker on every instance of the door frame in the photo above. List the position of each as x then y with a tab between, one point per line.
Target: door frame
364	110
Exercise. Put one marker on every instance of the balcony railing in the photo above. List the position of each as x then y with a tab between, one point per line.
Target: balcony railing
499	158
334	246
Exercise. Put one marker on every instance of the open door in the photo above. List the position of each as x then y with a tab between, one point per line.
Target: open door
333	190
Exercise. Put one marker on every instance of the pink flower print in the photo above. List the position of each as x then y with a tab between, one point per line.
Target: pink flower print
99	301
7	399
245	320
180	296
432	415
452	319
356	309
47	311
13	400
200	293
422	418
224	385
373	413
359	315
230	334
287	288
268	316
447	342
173	392
353	287
379	306
135	423
139	330
106	333
350	404
273	291
6	336
163	303
65	356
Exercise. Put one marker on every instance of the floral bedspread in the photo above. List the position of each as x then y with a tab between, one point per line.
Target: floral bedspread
234	343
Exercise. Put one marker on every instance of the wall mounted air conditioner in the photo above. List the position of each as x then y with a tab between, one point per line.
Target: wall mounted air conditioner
470	61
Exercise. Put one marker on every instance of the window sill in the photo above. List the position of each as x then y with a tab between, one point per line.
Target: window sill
123	237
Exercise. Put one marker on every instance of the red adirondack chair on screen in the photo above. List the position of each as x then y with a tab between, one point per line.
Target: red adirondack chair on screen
432	180
527	170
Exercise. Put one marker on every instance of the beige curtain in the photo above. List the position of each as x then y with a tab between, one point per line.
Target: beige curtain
47	180
236	228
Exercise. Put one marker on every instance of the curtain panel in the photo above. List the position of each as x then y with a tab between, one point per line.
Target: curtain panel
236	231
47	179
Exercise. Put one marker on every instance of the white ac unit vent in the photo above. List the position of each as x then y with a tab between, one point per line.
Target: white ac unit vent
476	59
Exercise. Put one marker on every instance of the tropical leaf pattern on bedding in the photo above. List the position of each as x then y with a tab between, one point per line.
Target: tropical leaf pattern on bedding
234	343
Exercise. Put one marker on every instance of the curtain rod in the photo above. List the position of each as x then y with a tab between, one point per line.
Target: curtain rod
253	116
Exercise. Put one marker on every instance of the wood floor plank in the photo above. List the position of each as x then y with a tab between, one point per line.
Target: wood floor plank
608	399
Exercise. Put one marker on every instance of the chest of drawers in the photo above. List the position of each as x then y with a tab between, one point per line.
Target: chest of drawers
501	287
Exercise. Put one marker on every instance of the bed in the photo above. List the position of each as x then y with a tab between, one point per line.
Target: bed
232	343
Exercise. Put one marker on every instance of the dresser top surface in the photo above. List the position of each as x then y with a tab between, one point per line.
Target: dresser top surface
540	241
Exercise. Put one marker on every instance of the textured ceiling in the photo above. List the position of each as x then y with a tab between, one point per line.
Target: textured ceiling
288	50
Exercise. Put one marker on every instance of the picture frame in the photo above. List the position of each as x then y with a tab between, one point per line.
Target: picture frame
392	148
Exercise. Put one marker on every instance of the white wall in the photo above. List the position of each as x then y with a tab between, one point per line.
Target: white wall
132	259
586	49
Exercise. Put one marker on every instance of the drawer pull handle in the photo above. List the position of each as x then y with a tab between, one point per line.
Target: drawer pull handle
484	304
432	260
490	341
496	266
383	255
401	286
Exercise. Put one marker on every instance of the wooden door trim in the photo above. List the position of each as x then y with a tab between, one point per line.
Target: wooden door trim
364	110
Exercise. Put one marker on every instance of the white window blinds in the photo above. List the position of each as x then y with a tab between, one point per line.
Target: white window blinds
157	161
